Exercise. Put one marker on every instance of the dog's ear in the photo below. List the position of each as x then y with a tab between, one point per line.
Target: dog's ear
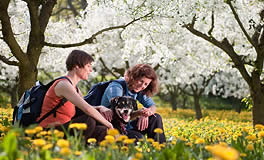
114	101
134	103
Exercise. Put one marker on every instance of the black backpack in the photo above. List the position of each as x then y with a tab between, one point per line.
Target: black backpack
95	94
29	106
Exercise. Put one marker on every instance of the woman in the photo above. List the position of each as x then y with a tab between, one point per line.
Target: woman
141	83
79	66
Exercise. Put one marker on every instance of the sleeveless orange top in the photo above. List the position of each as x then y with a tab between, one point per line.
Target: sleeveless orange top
63	114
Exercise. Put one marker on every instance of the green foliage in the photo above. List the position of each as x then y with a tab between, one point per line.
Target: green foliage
248	102
9	147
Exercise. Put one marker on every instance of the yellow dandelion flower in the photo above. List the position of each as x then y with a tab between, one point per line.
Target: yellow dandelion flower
77	153
82	126
158	130
129	141
124	148
139	149
39	142
224	144
43	133
261	134
188	144
91	140
103	143
243	154
259	127
250	147
113	132
139	155
62	143
73	125
30	131
199	141
110	139
38	129
251	137
225	153
150	140
47	146
57	159
121	138
65	151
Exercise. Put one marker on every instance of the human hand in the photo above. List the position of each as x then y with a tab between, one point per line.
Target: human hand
109	126
106	113
146	112
142	123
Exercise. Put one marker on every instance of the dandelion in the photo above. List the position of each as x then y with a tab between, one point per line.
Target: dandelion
39	142
38	129
63	143
199	141
259	127
77	153
243	154
250	147
121	138
158	130
30	131
91	140
129	141
103	143
261	134
65	151
110	139
113	132
47	146
124	148
150	140
251	137
225	153
139	155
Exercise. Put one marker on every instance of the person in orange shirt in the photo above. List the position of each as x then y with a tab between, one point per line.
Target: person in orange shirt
79	66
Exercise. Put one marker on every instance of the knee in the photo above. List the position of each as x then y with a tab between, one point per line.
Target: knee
156	117
90	122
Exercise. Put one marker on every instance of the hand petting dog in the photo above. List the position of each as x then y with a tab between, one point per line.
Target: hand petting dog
106	113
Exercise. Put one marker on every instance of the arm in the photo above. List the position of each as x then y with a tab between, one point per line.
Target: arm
65	89
113	90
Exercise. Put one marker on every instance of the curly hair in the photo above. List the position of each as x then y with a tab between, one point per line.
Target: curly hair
139	71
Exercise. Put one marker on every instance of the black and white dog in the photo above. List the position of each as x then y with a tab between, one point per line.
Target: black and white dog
123	108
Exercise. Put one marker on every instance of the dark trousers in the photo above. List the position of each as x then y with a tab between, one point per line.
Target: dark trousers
155	121
94	130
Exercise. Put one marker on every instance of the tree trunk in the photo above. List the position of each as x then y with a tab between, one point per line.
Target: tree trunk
27	77
197	107
173	102
258	106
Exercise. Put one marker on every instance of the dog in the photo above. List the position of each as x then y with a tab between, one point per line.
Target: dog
123	107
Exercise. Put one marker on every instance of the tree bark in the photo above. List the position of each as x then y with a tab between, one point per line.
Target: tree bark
197	107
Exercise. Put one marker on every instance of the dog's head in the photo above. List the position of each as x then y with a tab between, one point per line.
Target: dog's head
123	106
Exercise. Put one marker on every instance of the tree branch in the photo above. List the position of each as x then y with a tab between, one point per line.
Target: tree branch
212	25
90	40
8	35
109	70
225	46
240	24
45	14
7	61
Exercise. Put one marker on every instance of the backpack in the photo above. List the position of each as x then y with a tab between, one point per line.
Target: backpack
29	106
95	94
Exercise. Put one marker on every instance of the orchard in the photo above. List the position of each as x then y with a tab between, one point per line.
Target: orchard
198	48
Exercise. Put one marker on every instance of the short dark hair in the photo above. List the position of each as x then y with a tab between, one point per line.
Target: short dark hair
140	71
78	58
